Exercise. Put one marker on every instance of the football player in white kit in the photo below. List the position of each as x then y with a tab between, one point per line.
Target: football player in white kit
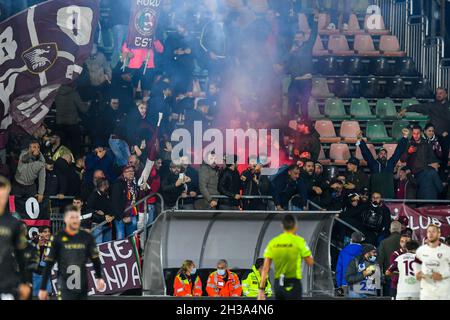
408	288
432	267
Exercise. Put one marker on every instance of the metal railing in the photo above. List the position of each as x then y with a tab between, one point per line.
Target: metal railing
413	33
198	197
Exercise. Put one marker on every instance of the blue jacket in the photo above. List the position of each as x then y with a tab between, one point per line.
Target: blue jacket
345	256
95	163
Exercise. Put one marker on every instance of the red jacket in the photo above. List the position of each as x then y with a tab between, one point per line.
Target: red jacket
218	287
140	55
184	287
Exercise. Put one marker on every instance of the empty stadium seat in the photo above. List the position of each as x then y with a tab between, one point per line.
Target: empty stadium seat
303	24
397	127
334	109
319	49
338	45
353	26
364	46
375	27
330	66
313	110
339	153
322	24
360	109
382	67
355	67
322	158
390	47
358	153
385	109
325	128
349	131
407	67
398	89
390	148
343	88
371	88
320	88
376	132
422	89
413	116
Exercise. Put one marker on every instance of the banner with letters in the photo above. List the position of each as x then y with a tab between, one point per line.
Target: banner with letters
120	267
41	49
420	218
143	22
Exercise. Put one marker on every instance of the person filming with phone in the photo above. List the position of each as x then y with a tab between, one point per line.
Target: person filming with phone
176	184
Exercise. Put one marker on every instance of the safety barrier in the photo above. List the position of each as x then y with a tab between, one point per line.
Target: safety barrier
182	198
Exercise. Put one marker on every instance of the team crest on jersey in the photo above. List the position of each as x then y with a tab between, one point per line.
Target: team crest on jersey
40	58
145	21
361	267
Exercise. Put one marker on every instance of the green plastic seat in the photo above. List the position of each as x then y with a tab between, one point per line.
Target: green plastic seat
360	109
376	132
397	127
385	109
413	116
313	110
334	109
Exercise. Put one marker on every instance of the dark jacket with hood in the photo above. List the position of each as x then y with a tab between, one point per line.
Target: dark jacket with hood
229	185
308	142
283	189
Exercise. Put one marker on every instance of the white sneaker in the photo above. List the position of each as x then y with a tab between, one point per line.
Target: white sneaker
331	26
345	27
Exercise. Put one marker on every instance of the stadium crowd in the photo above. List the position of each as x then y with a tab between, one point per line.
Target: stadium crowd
96	147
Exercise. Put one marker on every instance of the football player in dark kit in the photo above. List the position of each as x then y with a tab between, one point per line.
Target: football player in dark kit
71	249
13	242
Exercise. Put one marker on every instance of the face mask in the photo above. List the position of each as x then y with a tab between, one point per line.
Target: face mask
194	271
375	204
221	272
372	258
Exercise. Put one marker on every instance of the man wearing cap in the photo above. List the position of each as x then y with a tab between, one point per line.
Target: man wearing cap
363	274
55	149
382	168
306	138
355	179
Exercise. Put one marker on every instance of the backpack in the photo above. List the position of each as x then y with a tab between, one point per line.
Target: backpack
373	220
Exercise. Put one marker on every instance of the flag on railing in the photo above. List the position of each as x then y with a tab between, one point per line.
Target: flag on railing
41	49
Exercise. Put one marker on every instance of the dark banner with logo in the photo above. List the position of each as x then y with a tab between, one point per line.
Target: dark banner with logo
41	49
32	213
420	218
143	22
120	268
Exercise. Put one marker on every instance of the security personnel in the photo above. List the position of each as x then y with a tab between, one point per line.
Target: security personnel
13	243
187	283
223	282
71	249
250	284
286	251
